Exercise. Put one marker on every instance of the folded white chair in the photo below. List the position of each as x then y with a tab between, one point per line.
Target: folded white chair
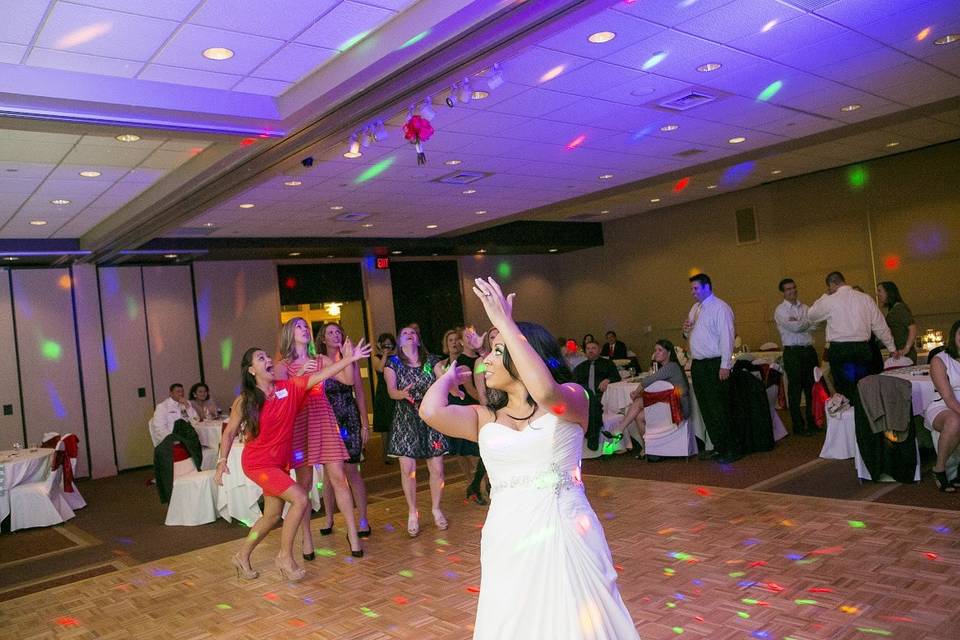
897	363
208	460
39	504
840	442
663	437
193	500
73	498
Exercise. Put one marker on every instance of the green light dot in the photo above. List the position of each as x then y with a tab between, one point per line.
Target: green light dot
51	350
857	524
253	535
373	171
504	270
804	601
874	631
736	574
226	353
406	573
677	630
480	368
415	39
370	613
354	40
749	601
669	571
857	176
224	606
671	605
743	614
770	91
441	542
325	553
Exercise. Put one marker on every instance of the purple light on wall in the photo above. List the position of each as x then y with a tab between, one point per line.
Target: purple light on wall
204	309
58	409
111	355
927	240
110	282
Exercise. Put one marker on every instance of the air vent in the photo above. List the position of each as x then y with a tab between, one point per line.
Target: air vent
747	226
351	217
462	177
686	100
811	5
687	153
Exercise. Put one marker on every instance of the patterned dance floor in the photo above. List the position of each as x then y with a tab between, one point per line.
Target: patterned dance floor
693	562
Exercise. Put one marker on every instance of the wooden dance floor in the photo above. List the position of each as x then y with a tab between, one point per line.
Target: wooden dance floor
693	562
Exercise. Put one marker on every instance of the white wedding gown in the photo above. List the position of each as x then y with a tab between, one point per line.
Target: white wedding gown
546	570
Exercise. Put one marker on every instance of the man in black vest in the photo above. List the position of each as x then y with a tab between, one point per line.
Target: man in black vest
594	375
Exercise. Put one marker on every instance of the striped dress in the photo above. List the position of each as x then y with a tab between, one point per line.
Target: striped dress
316	437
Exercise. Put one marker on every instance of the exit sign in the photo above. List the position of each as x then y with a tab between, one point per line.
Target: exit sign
383	263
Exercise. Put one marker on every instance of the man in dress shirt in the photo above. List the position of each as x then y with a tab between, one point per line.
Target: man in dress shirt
709	328
174	408
851	317
613	348
799	356
595	374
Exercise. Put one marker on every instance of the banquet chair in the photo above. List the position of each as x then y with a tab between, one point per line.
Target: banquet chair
953	461
664	436
41	504
773	398
896	363
194	497
769	346
840	443
71	445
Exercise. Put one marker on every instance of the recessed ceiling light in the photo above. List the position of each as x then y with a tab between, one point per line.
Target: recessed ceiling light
352	154
851	107
708	67
59	201
604	211
38	223
481	250
128	137
654	199
396	252
893	144
947	39
292	183
209	225
432	226
90	174
169	255
737	140
776	172
247	205
453	162
480	212
217	53
367	225
468	192
605	176
552	250
601	36
711	186
293	254
11	258
669	127
330	255
480	95
336	207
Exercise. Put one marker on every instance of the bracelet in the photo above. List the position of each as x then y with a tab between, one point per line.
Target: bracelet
221	460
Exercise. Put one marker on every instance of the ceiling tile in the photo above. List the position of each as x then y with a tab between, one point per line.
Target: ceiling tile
262	87
281	19
535	102
108	175
93	156
21	19
593	77
738	19
82	63
560	133
786	37
20	175
185	49
647	88
841	47
38	152
670	13
629	30
341	27
169	9
866	64
11	53
532	66
854	13
101	32
192	77
590	111
292	62
682	55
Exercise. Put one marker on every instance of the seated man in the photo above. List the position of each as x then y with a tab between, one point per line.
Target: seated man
613	348
594	375
174	408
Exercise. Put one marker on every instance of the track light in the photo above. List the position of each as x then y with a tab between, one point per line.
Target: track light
496	77
426	109
366	137
451	98
464	94
353	148
379	131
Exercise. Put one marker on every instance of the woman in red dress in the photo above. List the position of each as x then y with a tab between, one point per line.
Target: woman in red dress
267	408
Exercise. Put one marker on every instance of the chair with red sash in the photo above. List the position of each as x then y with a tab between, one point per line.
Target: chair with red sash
772	375
193	500
71	444
42	503
668	433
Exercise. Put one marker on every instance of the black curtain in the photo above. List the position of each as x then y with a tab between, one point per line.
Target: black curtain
427	293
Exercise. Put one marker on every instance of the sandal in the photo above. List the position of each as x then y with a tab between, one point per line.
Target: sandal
247	572
293	575
413	525
944	485
616	437
440	520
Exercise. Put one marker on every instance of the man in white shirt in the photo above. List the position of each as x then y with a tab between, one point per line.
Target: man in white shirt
709	329
174	408
799	355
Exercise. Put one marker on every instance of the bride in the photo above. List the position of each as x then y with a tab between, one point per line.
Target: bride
546	567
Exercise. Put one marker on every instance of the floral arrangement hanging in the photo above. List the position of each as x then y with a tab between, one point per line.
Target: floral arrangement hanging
418	130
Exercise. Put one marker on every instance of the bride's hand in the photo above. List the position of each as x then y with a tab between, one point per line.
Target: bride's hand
499	308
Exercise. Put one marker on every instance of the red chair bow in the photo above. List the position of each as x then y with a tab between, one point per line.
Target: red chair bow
62	461
180	452
820	399
671	397
71	443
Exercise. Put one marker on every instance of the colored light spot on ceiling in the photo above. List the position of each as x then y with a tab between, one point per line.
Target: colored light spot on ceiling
246	142
891	263
654	60
576	142
415	39
64	282
553	73
737	173
504	270
354	40
370	613
857	176
681	185
857	524
68	621
373	171
769	25
226	353
406	573
50	350
83	35
133	309
923	34
224	607
771	90
642	133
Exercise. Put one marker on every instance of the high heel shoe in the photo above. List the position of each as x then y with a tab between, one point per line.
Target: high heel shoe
413	525
365	533
310	557
293	575
326	530
440	520
354	553
944	485
473	493
615	437
246	572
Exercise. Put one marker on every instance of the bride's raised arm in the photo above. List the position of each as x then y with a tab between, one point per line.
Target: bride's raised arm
567	400
450	419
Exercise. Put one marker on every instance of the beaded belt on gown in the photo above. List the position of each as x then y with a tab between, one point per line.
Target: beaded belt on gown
553	478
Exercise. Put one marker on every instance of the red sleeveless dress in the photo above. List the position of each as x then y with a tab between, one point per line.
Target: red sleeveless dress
266	458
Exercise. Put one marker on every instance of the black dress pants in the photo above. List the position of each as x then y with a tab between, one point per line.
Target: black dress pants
713	397
799	363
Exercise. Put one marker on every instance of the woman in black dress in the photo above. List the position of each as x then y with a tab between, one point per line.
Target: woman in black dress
454	348
408	376
351	412
383	404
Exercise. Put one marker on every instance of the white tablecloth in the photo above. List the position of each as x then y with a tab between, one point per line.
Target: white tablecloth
922	386
21	467
209	433
237	498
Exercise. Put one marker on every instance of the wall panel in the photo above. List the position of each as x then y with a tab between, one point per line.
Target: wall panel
11	426
168	297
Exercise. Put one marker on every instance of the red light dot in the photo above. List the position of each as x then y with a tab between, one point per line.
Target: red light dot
290	282
559	409
891	263
930	555
473	589
571	345
246	142
702	491
400	600
681	185
68	621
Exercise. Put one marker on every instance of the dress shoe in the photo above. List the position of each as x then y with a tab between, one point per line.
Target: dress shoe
707	454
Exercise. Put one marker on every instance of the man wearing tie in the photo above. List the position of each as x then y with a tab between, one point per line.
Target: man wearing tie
709	329
595	374
799	356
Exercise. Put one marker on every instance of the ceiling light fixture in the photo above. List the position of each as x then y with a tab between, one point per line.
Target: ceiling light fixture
669	127
217	53
496	77
396	252
552	250
893	144
59	201
711	186
38	223
90	174
604	211
481	250
11	258
380	130
601	36
850	107
468	192
708	67
292	183
432	226
737	140
605	176
336	207
209	225
776	172
464	94
480	212
367	225
170	255
128	137
426	109
353	148
293	254
654	200
480	95
247	205
453	162
947	39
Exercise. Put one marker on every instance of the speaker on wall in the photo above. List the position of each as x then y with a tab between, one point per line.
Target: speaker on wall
747	226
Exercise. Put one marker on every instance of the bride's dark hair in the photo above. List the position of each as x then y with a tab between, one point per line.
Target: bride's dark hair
546	347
